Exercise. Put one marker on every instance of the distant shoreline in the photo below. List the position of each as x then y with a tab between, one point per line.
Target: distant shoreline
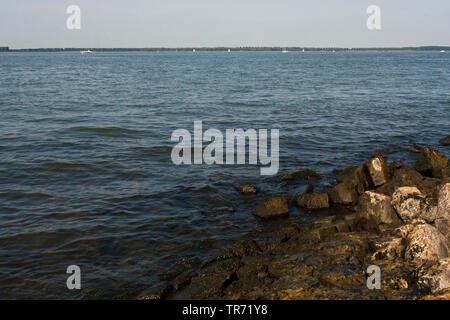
422	48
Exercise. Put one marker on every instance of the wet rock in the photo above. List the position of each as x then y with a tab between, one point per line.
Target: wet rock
435	278
431	163
425	242
376	171
410	204
344	193
356	175
379	154
305	174
248	190
272	207
377	208
309	189
414	148
388	248
445	141
313	201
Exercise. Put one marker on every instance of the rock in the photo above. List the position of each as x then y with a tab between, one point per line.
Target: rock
309	189
445	141
248	190
414	148
435	278
379	154
443	205
344	193
410	204
443	225
272	207
424	243
376	171
377	208
356	175
431	163
313	201
305	174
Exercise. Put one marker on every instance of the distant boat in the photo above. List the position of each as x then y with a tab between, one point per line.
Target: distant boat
229	50
193	50
442	51
303	50
284	50
86	52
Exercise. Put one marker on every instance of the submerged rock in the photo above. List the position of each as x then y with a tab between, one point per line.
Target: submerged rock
272	207
344	193
313	201
377	172
377	208
305	174
248	190
445	141
425	242
414	148
431	163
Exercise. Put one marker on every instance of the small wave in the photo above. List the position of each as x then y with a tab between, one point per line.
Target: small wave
105	131
21	195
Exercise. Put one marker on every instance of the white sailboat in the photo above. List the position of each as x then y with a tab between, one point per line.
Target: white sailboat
229	50
284	50
86	52
442	51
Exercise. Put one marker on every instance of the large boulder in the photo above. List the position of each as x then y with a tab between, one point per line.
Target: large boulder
431	163
411	204
425	242
376	207
443	206
344	193
377	172
355	174
445	141
436	277
313	200
272	207
442	222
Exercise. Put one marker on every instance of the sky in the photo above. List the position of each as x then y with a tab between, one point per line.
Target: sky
228	23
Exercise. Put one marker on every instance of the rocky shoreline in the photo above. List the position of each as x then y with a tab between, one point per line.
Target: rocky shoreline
394	216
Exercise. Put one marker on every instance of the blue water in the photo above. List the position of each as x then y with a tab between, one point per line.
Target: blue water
86	176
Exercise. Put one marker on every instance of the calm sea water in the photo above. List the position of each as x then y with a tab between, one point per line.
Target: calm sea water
86	176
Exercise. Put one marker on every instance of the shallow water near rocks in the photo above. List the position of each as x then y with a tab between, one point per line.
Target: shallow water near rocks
86	176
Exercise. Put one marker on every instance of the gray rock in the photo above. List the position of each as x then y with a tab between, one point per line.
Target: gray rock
344	193
376	171
272	207
313	201
425	242
377	208
431	163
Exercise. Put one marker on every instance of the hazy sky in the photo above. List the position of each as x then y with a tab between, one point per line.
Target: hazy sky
185	23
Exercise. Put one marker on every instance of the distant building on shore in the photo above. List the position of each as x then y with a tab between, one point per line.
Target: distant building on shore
4	48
